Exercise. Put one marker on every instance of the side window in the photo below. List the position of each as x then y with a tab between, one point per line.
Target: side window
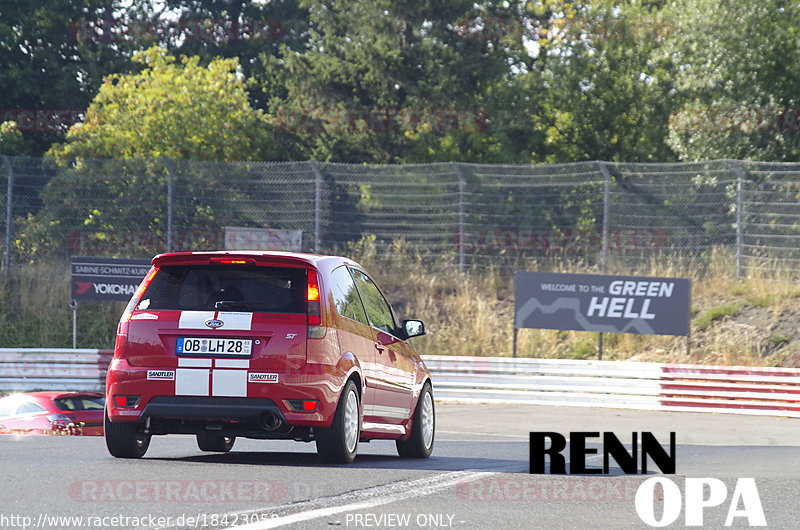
29	407
345	295
378	310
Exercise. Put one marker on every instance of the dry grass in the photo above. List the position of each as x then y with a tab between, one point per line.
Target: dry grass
35	312
472	313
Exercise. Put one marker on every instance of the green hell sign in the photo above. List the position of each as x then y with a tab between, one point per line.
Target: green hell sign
602	303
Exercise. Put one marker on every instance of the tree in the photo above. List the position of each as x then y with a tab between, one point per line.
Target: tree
47	69
114	196
173	108
251	31
739	80
601	91
380	79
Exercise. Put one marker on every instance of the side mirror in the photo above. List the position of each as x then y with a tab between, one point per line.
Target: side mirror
413	328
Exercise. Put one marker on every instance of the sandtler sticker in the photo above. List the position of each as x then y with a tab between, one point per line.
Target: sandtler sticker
257	377
161	375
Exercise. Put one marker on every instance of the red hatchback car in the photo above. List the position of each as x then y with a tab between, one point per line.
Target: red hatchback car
268	345
76	413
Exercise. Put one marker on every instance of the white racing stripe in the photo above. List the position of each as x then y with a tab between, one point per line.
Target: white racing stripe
229	383
232	363
184	362
236	321
362	499
195	319
191	382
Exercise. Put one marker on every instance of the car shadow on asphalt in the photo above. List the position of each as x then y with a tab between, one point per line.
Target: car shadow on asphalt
463	461
434	463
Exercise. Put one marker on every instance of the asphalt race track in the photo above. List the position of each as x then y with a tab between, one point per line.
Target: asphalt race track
477	477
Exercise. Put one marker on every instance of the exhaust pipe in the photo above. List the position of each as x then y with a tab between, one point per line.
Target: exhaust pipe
269	421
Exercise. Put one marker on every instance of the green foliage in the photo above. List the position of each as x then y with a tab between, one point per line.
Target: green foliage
116	190
602	94
380	81
385	82
738	80
704	319
776	339
760	301
11	142
584	349
172	108
45	67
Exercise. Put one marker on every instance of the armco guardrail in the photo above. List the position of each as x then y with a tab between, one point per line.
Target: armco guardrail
53	369
618	384
607	384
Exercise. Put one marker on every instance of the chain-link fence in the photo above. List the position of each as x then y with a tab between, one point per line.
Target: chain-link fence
461	214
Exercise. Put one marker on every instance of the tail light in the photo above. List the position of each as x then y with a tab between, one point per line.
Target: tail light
124	321
314	307
59	420
126	401
303	405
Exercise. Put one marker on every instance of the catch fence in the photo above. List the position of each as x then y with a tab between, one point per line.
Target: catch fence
615	216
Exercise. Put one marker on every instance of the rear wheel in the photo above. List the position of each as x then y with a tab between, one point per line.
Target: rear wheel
124	440
339	442
423	428
215	442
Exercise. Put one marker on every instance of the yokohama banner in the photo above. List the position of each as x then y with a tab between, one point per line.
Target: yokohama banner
107	279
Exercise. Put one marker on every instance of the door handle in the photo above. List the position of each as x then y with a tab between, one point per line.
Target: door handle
380	350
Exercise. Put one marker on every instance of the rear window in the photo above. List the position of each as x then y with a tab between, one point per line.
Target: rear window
225	287
80	403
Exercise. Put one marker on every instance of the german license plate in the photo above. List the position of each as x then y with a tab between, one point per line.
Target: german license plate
214	346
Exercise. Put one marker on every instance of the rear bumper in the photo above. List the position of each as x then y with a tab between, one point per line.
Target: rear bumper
164	397
208	408
228	416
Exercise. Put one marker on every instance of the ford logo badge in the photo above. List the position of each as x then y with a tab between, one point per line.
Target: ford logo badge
214	323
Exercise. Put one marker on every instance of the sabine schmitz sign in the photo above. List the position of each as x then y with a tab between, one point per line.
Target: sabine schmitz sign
107	279
601	303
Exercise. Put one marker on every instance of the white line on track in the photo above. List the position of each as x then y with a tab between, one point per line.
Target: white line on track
363	499
471	433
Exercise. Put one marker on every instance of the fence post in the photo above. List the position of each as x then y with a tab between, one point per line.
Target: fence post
168	166
317	202
737	170
9	204
606	212
462	184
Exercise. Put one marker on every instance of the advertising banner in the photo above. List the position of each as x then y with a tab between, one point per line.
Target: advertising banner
602	303
243	238
106	279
